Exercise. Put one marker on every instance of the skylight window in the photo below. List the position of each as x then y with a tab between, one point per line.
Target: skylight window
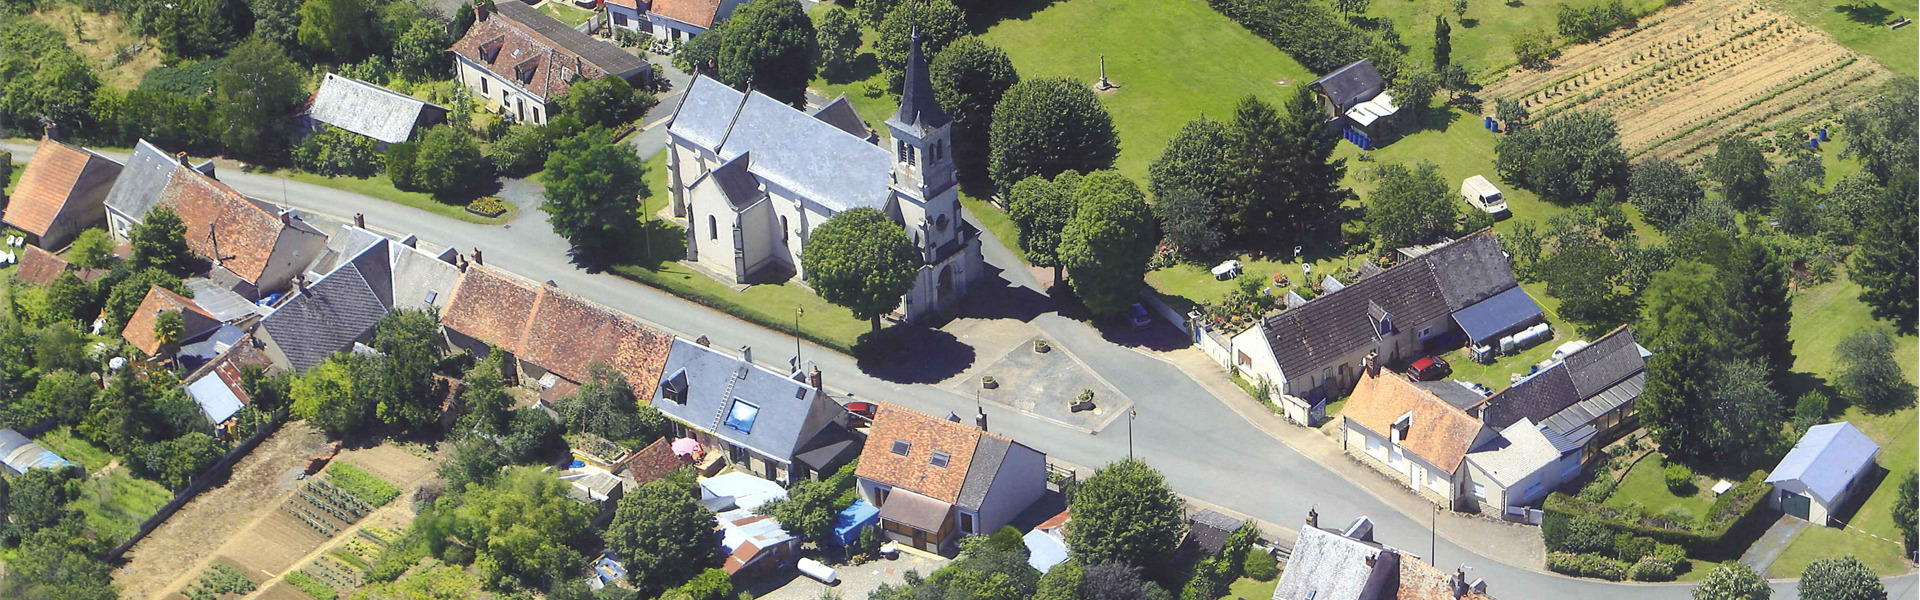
431	296
901	447
939	459
740	417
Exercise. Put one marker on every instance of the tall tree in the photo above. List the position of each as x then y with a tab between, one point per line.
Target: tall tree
1905	507
1107	243
1740	169
484	392
938	22
1198	159
1745	415
838	36
402	384
1415	95
1868	376
160	242
1410	206
1568	159
607	407
663	534
450	164
1682	323
1189	221
332	397
344	30
861	260
1282	164
607	102
1665	191
769	45
1733	581
519	526
1757	301
1048	126
969	77
421	50
1840	578
92	249
592	191
1041	209
1124	513
1886	263
1882	130
1442	44
258	89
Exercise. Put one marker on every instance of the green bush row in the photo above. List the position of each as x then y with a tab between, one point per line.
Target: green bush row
374	491
1565	516
1586	565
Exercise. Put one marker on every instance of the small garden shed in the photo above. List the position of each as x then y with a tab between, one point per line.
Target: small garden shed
1818	477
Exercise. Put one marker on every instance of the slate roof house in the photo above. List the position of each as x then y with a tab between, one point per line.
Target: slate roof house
754	177
387	116
1357	103
1581	402
146	173
936	480
519	60
769	424
1313	352
677	21
554	337
330	314
1820	475
1347	564
60	193
139	331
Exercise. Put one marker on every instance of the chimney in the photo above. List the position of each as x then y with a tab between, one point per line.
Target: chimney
286	218
1457	583
476	257
1313	516
360	220
51	130
703	342
746	354
1372	363
182	157
813	378
479	11
980	420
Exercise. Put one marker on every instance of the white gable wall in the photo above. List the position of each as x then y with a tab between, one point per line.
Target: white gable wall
1021	481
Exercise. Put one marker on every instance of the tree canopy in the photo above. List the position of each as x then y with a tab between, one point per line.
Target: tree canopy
1105	246
969	78
160	242
607	102
938	22
1840	578
258	90
1886	263
1740	169
1868	375
1284	175
519	526
838	36
1733	581
592	191
1665	191
1197	159
1410	206
1041	209
769	46
861	260
664	535
1124	513
1757	299
1568	159
1048	126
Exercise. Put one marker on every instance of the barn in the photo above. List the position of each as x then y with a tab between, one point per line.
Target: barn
1818	477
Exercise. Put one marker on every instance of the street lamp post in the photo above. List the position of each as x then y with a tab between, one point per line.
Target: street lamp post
798	311
1433	537
1131	414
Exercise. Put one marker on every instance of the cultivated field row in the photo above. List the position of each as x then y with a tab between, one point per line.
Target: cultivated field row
1694	73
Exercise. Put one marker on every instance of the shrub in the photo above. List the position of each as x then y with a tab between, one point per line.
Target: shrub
336	152
1630	548
1680	480
1704	535
522	151
490	206
1260	566
1586	565
1652	569
1580	534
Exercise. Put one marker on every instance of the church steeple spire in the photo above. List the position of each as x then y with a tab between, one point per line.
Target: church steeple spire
918	106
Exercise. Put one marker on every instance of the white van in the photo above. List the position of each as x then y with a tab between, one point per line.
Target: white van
1482	195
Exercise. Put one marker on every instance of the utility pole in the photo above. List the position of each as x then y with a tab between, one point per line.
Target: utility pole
798	311
1131	414
1433	537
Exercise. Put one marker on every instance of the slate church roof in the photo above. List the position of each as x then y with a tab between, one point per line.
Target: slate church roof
813	158
919	110
368	109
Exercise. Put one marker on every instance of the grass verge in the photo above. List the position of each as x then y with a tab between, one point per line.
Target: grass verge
75	450
378	186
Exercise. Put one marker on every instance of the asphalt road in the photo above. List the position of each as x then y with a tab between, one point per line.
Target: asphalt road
1204	448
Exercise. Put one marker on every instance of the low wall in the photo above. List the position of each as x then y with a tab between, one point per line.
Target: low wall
199	483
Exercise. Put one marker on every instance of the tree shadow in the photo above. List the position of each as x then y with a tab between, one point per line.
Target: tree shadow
1469	22
650	245
996	298
913	354
864	67
984	15
1158	336
1865	14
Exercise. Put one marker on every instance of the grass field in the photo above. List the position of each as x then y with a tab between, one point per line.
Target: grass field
1483	38
1646	484
101	38
559	9
378	186
115	502
1861	25
75	450
1250	589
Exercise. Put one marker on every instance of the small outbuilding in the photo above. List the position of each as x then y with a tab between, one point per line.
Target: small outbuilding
20	454
1818	477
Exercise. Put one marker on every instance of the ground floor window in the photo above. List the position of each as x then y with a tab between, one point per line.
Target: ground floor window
1480	491
1376	448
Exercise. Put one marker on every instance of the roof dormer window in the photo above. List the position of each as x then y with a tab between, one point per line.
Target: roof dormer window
939	459
901	447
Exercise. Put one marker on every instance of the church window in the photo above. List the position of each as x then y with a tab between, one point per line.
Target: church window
785	233
911	156
713	228
941	222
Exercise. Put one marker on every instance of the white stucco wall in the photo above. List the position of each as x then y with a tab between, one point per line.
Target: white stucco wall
1021	482
513	100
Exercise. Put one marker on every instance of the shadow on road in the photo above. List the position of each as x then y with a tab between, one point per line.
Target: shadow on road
997	298
914	354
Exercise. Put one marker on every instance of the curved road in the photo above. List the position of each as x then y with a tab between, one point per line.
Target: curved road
1205	449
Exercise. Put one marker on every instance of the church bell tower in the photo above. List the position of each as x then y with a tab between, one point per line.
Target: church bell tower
923	171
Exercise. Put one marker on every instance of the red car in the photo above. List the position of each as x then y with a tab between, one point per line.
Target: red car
1431	368
861	409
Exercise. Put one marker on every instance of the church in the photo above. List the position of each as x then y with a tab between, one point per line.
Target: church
753	177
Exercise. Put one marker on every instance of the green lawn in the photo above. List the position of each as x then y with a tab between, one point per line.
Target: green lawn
378	186
1892	47
1174	60
559	9
1499	374
115	502
1487	46
995	221
770	306
1646	485
1249	589
75	450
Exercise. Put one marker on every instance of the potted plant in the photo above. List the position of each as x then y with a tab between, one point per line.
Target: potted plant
1041	346
989	383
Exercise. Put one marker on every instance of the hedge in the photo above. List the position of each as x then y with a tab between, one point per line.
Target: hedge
1310	33
374	491
1728	512
1586	565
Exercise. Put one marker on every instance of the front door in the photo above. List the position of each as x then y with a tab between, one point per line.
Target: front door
1796	505
1417	474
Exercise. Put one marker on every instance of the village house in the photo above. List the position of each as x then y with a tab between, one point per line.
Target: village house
147	172
217	386
39	268
779	427
519	61
359	278
936	480
1312	353
1816	479
1412	435
1357	104
1582	402
139	331
754	177
675	22
255	248
60	193
553	338
1348	564
386	116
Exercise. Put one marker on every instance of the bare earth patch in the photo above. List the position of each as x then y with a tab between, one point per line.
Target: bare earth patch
1696	73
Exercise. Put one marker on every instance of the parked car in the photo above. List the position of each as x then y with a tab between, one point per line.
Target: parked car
1431	368
862	409
1138	316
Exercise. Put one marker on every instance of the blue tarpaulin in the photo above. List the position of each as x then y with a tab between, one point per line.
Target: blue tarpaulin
1503	313
846	527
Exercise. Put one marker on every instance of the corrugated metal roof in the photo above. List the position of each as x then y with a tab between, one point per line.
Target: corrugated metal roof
1500	314
368	109
1826	459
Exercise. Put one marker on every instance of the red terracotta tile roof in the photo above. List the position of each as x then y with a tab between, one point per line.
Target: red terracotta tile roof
560	332
1440	434
652	462
923	434
698	13
50	181
139	329
222	225
491	306
39	267
513	50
